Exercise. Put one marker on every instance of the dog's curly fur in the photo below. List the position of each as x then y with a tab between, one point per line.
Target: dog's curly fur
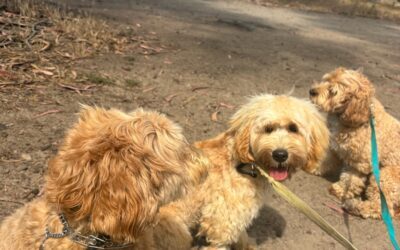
224	205
111	175
348	97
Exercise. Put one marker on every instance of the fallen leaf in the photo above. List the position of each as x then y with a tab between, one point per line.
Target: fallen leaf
76	89
225	105
74	74
167	61
46	46
42	71
170	97
214	116
7	75
143	46
36	69
199	88
148	89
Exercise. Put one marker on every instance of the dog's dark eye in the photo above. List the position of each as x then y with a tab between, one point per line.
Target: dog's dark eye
332	92
293	128
269	129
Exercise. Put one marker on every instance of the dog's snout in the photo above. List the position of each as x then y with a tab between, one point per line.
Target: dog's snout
280	155
313	92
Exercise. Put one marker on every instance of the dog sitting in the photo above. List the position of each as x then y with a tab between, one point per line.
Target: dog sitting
278	133
348	97
105	185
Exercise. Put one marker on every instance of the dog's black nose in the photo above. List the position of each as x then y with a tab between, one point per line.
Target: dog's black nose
313	92
280	155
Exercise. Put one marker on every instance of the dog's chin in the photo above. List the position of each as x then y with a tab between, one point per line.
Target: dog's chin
281	171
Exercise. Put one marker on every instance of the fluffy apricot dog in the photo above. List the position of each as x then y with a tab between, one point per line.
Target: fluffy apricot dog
348	97
105	185
280	134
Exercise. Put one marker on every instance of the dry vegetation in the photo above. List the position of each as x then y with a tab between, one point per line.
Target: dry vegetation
363	8
41	43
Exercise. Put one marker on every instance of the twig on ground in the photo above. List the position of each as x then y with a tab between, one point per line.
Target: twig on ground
225	105
34	32
76	89
170	97
10	161
8	41
12	201
53	111
148	89
199	88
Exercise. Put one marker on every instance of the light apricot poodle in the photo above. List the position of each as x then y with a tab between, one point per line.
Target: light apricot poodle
279	133
105	185
348	97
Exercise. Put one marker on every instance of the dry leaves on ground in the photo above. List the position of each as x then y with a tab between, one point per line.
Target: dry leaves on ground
39	43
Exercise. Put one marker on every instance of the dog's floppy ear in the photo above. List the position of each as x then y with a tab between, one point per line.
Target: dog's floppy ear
113	169
318	141
242	144
240	126
357	110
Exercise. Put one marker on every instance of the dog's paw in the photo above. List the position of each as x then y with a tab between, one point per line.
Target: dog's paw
337	190
315	171
364	209
344	193
351	206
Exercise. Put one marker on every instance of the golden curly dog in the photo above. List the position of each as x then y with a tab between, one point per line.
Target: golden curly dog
348	97
108	180
279	133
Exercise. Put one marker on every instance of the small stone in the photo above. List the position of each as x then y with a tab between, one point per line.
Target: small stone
26	157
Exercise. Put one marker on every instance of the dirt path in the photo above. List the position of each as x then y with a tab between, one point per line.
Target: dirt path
217	52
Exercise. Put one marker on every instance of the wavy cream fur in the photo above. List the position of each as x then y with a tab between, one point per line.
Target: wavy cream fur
224	205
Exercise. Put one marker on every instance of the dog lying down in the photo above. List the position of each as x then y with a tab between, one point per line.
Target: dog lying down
105	185
280	134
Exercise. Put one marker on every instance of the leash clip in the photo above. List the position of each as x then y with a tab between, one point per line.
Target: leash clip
252	172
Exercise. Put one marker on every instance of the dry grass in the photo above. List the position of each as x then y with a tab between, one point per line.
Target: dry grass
362	8
39	43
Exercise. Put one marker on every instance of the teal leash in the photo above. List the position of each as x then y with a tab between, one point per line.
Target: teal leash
375	170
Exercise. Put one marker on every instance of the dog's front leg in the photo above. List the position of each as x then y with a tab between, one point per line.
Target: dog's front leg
371	207
350	185
224	220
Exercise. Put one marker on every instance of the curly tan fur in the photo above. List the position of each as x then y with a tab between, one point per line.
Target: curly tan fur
348	97
111	175
224	205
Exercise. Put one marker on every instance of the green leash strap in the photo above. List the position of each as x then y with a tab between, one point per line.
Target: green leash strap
375	170
303	207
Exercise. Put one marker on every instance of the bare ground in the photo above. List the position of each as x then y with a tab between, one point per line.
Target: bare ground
217	53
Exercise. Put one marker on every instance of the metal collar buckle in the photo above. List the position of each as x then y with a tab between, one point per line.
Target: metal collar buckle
252	172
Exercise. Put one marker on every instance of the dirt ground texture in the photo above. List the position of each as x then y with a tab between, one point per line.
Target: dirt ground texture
217	53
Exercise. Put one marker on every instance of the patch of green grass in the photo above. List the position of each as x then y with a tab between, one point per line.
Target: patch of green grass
132	82
98	79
